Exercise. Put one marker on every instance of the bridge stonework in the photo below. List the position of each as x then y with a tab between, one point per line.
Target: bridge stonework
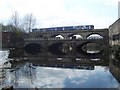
65	34
52	47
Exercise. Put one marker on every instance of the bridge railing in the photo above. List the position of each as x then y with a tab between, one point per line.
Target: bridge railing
62	39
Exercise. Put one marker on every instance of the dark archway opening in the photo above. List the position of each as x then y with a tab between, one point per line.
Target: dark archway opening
71	34
33	48
56	49
53	36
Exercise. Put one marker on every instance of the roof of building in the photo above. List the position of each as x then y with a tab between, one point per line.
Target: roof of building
115	22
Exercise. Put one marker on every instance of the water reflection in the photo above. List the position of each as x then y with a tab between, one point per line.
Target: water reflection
115	69
61	73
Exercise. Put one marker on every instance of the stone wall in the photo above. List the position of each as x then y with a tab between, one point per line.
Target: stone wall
0	37
114	33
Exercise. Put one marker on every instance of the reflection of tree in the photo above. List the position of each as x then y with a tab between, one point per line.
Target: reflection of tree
28	72
25	72
31	72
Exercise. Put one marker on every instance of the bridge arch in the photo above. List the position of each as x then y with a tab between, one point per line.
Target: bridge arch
94	36
56	49
75	36
59	36
33	48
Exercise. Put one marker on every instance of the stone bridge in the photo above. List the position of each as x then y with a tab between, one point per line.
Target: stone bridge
66	44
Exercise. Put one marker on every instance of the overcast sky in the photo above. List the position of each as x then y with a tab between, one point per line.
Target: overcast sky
52	13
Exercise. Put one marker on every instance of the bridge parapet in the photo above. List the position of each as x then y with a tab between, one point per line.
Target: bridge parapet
83	33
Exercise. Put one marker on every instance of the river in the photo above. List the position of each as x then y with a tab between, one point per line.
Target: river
27	75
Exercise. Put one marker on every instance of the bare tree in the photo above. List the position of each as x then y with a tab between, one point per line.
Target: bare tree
14	21
29	22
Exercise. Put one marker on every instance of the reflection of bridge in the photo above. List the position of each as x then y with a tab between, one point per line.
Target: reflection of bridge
114	66
65	43
78	63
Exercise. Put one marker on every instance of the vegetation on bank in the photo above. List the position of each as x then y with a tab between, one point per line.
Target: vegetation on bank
18	25
10	28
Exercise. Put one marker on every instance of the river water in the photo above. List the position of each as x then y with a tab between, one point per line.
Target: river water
26	75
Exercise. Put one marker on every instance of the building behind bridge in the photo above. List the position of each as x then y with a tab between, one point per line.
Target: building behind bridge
8	39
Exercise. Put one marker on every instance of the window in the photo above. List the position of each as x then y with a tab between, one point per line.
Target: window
116	37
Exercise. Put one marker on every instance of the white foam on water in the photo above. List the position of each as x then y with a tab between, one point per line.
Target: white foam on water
3	57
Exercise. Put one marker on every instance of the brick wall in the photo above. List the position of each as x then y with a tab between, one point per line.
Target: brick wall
8	39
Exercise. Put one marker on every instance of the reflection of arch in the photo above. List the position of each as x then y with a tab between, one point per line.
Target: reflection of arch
57	36
75	36
80	50
33	48
92	47
55	49
94	36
